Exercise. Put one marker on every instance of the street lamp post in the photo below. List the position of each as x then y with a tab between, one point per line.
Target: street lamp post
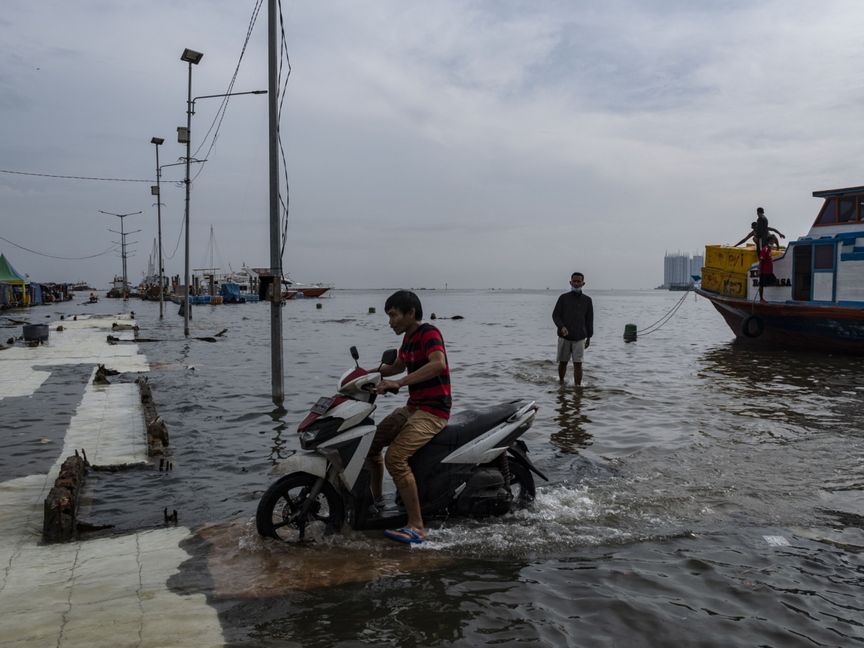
184	136
159	141
192	58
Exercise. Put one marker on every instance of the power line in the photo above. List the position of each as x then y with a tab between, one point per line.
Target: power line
223	106
51	256
179	236
71	177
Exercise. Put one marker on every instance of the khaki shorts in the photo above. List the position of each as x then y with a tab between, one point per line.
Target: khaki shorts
405	431
569	350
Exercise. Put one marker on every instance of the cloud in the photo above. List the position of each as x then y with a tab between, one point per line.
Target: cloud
508	139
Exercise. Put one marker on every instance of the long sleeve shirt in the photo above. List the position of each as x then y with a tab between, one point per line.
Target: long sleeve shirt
575	312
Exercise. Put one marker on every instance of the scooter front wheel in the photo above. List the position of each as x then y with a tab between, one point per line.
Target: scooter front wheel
288	513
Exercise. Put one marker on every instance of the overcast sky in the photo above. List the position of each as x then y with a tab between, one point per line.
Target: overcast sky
477	144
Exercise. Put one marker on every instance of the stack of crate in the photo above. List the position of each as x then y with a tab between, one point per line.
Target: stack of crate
726	269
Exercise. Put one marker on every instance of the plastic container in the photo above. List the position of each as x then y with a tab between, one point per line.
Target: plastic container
723	282
35	332
728	258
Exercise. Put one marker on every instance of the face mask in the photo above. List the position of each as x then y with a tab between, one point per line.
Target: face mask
575	290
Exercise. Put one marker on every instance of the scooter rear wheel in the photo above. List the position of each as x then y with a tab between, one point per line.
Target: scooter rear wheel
521	485
280	512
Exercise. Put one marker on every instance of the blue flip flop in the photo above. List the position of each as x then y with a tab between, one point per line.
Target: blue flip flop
405	535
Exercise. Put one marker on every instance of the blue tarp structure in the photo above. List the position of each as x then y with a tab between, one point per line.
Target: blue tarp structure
231	293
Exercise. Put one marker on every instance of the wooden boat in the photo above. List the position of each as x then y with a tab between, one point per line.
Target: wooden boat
817	303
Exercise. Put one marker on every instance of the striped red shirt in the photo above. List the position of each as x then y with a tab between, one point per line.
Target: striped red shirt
431	395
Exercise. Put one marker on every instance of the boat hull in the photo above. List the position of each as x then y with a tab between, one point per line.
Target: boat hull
311	291
792	325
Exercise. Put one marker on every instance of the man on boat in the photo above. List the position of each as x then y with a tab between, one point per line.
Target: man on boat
409	428
574	319
761	233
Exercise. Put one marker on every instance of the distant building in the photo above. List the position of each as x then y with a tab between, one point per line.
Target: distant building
696	264
679	269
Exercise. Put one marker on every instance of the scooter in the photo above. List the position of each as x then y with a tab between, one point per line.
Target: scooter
476	466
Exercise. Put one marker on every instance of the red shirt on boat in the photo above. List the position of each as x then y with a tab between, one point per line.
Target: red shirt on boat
766	262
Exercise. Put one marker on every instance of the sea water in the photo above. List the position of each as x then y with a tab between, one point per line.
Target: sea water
699	493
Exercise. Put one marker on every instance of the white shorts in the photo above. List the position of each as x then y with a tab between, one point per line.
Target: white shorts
569	350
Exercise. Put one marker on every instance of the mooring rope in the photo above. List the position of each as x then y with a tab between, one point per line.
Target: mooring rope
656	326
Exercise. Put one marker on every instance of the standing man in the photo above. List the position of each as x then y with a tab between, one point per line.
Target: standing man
574	318
761	233
409	428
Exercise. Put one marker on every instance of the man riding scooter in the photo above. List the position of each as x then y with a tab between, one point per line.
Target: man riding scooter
409	428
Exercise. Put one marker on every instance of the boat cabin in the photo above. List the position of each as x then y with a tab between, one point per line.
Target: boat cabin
826	266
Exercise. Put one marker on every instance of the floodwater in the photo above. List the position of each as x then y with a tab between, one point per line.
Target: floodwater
700	493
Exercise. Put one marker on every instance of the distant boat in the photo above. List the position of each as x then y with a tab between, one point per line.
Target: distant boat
817	303
306	289
148	289
294	289
117	288
81	286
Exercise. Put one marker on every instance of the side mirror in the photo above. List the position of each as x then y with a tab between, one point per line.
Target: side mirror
389	357
354	353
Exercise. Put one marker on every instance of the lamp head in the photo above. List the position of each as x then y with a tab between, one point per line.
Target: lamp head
157	141
191	56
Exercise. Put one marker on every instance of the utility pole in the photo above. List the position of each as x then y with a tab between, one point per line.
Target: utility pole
123	234
277	379
156	191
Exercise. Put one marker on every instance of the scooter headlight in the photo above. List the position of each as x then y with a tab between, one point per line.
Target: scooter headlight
307	436
320	431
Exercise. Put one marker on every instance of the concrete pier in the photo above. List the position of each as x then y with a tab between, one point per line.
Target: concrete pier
101	592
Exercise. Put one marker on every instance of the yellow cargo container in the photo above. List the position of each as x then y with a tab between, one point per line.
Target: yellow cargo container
728	258
724	282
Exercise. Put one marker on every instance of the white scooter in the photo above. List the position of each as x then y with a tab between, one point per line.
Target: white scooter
476	466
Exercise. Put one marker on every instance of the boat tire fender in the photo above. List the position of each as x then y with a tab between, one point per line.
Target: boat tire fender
753	326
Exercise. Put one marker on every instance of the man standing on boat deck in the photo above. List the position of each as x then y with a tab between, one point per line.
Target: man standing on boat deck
761	233
409	428
574	318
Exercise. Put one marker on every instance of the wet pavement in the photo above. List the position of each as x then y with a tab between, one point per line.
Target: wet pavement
108	591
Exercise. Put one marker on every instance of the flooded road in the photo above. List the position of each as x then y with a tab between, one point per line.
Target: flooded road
700	494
